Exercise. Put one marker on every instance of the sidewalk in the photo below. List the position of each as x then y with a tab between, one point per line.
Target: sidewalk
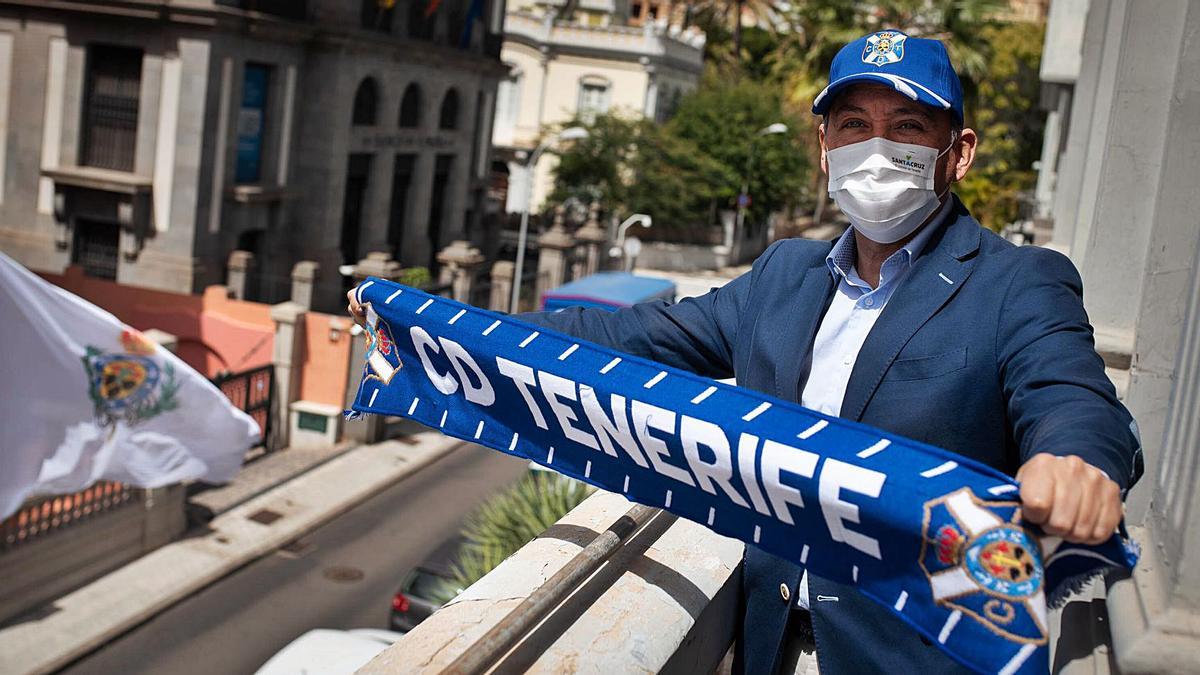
86	618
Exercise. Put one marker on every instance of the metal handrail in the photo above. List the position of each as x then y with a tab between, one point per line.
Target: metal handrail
524	617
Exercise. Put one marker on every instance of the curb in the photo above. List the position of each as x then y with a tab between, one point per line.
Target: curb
90	616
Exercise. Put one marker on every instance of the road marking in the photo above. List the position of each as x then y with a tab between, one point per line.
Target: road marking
392	297
812	431
413	407
939	470
949	626
489	329
655	380
531	338
570	350
900	601
703	395
874	449
611	364
422	307
458	316
479	430
762	408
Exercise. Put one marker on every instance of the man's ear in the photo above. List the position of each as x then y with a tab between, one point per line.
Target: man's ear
821	141
968	142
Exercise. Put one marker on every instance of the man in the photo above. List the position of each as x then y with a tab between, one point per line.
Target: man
917	321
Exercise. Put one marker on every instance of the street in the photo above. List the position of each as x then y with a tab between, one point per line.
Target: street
236	624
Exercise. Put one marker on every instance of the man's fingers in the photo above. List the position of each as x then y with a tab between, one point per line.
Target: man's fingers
1037	495
1067	499
1111	514
1091	503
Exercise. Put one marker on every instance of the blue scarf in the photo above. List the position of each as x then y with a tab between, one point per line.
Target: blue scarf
933	537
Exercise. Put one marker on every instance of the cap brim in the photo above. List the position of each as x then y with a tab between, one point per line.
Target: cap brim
910	88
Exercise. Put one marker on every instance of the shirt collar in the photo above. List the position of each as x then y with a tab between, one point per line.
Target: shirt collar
845	251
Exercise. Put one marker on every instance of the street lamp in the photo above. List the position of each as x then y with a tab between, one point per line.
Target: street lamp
637	218
744	196
568	134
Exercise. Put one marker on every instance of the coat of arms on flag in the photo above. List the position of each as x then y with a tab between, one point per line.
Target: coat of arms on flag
884	47
129	385
982	563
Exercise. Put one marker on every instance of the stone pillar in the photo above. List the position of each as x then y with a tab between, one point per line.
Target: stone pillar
304	277
289	347
553	257
459	261
162	338
376	264
594	238
502	279
240	264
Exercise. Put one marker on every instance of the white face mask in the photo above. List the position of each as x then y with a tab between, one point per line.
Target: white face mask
884	187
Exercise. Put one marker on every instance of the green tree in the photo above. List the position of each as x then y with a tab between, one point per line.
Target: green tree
596	167
508	521
1004	113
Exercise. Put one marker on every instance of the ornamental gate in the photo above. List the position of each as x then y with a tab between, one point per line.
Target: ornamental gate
252	391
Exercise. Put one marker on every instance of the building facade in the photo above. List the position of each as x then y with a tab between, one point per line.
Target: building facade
591	63
146	141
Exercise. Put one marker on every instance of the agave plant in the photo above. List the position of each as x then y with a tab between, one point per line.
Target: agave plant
509	520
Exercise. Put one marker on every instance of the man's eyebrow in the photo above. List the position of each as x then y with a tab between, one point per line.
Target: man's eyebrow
848	108
919	111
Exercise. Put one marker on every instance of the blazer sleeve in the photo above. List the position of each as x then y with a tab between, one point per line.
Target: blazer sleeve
1058	397
696	334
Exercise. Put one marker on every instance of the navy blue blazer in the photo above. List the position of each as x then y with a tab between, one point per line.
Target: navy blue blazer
985	350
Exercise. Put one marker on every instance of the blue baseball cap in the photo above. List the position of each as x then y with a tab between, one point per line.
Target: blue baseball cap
919	68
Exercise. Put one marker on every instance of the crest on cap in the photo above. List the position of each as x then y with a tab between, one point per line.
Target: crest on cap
884	47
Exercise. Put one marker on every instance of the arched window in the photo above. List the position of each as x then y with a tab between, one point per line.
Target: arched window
448	118
366	101
410	107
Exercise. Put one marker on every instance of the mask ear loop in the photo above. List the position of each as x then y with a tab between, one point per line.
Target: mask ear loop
953	140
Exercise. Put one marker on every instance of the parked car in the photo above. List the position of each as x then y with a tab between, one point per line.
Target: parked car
329	652
425	588
608	290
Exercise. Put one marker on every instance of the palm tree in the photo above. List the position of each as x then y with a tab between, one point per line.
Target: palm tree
511	519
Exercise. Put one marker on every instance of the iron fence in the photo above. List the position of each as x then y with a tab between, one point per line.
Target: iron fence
253	391
43	516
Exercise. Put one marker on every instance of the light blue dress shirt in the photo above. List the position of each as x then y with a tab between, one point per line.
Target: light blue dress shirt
852	313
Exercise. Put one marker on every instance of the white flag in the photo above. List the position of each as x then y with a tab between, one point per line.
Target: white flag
84	397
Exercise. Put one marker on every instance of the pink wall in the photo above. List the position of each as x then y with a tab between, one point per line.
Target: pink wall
326	358
215	332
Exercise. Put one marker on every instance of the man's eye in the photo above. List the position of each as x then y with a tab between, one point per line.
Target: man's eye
849	124
911	126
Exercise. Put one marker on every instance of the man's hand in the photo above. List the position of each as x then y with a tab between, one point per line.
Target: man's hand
354	309
1069	498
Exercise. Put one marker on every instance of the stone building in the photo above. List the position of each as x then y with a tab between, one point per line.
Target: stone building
597	58
147	141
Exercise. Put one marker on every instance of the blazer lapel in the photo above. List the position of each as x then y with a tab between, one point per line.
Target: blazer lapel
808	306
935	277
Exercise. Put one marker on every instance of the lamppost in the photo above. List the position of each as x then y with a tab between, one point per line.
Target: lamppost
744	196
637	218
568	134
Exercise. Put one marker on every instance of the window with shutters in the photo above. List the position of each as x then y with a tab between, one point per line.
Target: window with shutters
110	107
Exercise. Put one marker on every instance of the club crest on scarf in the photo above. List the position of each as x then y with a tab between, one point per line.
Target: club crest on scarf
981	562
884	47
129	386
383	358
